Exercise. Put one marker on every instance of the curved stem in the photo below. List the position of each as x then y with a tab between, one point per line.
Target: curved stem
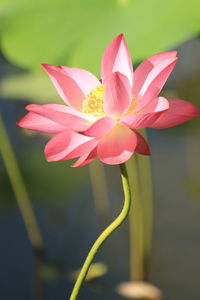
105	234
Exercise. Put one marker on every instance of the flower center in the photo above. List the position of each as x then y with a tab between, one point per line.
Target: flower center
93	103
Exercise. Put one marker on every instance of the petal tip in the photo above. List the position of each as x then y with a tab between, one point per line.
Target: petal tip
29	106
45	66
49	68
120	36
19	123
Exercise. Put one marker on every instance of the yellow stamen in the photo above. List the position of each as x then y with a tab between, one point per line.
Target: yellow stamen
93	103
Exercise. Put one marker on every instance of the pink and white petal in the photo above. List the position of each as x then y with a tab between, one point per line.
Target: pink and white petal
69	120
100	127
156	105
83	148
66	86
155	72
155	81
146	66
142	145
36	122
138	121
117	96
116	58
64	143
148	116
65	109
117	146
159	57
85	80
86	158
179	111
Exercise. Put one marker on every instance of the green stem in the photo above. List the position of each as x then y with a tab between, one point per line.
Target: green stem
101	239
20	191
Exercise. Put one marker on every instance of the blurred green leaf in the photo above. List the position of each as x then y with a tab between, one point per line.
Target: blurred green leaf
29	86
51	271
75	32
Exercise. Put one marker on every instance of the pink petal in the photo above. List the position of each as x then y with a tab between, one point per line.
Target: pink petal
100	127
65	109
117	146
148	116
116	58
86	158
83	148
51	112
71	83
155	81
85	80
179	111
142	145
61	145
159	57
146	66
66	86
36	122
117	95
156	105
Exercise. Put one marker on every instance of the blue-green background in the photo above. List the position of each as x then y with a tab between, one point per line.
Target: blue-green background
75	33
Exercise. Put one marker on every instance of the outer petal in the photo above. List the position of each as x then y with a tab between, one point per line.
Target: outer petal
116	58
149	115
61	145
83	149
142	145
156	105
155	81
179	111
65	109
117	95
101	127
68	119
117	146
85	80
146	66
36	122
86	158
71	83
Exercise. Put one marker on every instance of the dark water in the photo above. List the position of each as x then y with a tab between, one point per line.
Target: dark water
69	227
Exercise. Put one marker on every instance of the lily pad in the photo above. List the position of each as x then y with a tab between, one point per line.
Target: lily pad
75	33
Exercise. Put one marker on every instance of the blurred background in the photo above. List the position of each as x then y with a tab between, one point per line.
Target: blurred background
72	206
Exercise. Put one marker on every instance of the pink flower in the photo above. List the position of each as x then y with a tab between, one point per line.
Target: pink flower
101	118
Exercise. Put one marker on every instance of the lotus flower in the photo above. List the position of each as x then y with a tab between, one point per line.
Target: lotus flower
100	118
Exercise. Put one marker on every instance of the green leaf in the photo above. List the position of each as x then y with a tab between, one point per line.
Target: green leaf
76	32
30	86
